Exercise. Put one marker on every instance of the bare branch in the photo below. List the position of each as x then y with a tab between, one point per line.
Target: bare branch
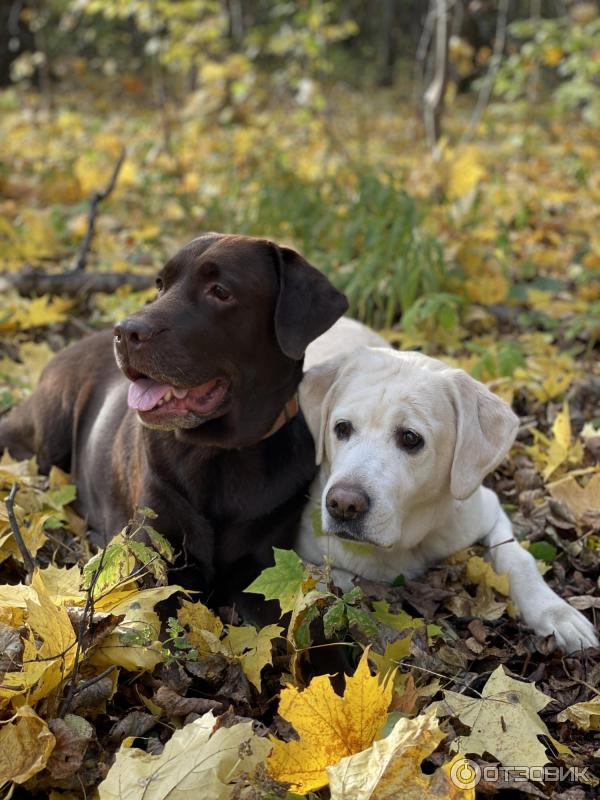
95	199
32	282
14	525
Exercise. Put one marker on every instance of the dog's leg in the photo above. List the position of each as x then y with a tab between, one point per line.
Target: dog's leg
543	610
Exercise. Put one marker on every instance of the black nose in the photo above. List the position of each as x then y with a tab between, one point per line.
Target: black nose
134	331
345	501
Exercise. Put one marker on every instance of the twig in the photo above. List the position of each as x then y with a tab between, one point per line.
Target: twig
86	618
10	510
95	199
91	681
490	78
34	282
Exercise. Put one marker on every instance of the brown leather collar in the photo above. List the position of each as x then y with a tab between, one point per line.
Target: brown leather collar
290	410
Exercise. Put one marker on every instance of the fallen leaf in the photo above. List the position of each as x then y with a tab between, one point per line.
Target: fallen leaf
122	647
480	572
197	761
391	767
579	500
504	721
25	746
329	727
73	735
585	715
253	648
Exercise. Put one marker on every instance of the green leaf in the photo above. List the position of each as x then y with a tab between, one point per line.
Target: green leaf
334	618
302	637
62	496
114	564
149	559
399	581
281	582
544	551
362	619
353	596
160	544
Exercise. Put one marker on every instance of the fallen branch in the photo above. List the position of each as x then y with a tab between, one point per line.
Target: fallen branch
35	281
10	510
95	199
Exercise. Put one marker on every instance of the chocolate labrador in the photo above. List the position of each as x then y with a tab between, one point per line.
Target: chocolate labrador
196	417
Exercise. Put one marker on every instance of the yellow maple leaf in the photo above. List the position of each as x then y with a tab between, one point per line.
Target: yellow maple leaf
330	727
551	453
246	644
204	628
252	647
480	572
579	500
25	746
49	644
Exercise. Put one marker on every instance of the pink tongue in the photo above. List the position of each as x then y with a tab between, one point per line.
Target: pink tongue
145	393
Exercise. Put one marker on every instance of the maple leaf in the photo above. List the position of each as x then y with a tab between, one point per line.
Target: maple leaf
391	767
283	581
552	453
26	743
330	727
204	627
579	500
252	647
246	644
504	721
197	762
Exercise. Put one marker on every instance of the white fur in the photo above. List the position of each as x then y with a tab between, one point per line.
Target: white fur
424	505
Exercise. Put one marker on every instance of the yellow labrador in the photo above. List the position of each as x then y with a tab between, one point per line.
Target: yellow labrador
404	442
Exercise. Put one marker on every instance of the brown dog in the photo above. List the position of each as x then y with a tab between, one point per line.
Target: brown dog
194	420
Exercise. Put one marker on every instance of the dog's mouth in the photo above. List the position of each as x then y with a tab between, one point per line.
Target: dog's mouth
158	401
358	536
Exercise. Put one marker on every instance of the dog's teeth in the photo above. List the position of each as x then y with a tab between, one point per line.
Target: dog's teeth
167	397
180	393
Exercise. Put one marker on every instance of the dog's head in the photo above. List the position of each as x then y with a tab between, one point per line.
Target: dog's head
399	434
216	356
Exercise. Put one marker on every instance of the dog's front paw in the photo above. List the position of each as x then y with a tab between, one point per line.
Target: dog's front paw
571	629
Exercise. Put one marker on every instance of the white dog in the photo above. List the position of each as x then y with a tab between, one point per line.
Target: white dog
404	442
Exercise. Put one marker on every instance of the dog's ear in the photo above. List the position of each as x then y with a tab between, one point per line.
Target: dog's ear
307	303
485	430
315	394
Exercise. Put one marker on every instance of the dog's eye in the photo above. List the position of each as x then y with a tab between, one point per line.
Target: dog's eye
343	429
409	440
220	292
159	284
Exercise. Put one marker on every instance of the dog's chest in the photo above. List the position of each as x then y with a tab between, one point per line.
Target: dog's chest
234	486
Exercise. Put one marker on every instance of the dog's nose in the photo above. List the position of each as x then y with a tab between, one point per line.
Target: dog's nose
344	501
133	331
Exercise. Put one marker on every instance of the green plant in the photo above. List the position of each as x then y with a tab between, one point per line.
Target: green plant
563	49
367	238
